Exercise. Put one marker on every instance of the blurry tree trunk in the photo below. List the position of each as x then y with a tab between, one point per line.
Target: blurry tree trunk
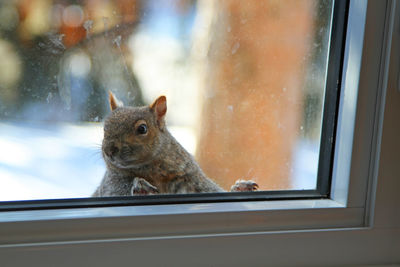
252	99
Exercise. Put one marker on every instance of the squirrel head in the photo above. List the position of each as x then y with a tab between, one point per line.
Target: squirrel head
133	135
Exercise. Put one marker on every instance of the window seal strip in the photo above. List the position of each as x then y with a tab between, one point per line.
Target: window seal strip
158	200
332	96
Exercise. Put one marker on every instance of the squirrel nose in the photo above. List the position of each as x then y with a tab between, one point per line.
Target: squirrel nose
112	150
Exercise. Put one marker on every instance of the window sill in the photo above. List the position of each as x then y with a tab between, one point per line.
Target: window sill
168	221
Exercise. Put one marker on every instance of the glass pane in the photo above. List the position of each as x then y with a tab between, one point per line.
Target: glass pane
244	82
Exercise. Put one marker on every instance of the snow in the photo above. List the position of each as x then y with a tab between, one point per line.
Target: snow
49	161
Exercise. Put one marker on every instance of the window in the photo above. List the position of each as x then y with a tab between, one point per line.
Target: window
360	212
251	96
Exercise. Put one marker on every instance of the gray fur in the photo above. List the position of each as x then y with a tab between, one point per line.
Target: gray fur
156	157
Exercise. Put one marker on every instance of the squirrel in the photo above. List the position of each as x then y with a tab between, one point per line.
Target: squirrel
143	158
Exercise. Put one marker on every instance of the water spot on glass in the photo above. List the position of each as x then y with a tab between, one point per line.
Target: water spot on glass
117	40
57	40
49	97
284	89
53	44
229	29
235	48
230	108
88	25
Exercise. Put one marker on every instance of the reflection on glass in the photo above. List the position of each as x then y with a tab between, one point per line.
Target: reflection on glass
244	81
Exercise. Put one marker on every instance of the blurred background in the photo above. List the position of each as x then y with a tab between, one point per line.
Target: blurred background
244	82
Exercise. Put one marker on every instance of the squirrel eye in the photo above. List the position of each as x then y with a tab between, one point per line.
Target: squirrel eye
142	129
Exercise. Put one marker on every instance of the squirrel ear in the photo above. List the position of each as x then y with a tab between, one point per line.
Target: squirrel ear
159	107
114	102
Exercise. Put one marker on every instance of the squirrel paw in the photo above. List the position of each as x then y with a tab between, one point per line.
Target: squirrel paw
244	186
142	187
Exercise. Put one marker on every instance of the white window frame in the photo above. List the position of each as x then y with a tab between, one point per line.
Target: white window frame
351	227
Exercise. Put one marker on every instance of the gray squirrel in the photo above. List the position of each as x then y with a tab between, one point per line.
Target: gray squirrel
142	157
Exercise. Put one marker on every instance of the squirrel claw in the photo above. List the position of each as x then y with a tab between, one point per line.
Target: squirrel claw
244	186
141	187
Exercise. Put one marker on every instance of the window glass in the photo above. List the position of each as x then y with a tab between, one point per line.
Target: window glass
244	81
